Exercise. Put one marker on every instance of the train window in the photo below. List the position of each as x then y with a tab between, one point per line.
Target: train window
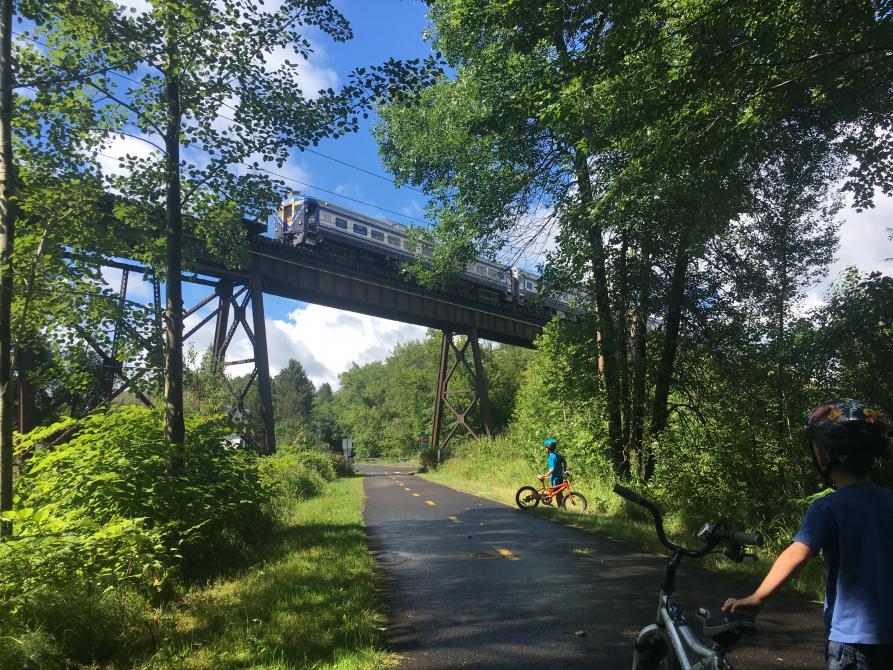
394	241
426	251
481	269
377	235
529	284
358	229
491	272
341	223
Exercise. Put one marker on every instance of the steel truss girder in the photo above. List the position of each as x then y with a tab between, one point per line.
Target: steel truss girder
480	397
228	299
224	331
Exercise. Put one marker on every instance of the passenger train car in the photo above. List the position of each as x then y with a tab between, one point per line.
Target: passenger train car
309	222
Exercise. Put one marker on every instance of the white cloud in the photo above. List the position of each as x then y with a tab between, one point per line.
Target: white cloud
413	209
864	243
332	340
138	290
313	74
324	340
118	147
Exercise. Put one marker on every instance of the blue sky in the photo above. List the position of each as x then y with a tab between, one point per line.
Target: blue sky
328	341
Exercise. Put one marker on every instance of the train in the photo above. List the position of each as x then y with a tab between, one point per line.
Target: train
309	222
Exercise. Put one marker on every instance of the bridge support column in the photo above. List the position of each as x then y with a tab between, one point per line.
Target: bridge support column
27	391
262	365
479	393
224	292
235	300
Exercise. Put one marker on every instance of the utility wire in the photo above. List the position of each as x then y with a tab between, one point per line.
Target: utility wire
298	182
111	131
112	70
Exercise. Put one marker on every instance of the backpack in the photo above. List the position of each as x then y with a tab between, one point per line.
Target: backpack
563	461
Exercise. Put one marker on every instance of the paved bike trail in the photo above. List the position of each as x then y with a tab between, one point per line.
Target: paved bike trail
472	583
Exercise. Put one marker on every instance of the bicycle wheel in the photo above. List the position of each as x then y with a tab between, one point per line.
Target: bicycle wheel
574	502
656	656
527	497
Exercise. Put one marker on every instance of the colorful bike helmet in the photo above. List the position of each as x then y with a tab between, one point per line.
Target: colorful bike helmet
851	431
550	443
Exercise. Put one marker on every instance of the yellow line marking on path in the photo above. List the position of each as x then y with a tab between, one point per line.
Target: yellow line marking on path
430	502
417	495
454	519
406	488
505	553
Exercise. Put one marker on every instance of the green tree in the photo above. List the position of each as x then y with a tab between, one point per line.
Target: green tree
855	340
625	122
165	76
7	244
323	416
292	400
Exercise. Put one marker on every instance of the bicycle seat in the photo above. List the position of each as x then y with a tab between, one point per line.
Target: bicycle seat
726	628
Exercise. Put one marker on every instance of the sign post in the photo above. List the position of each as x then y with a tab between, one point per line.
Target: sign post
347	450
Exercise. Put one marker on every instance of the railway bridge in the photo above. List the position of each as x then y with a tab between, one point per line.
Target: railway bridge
338	276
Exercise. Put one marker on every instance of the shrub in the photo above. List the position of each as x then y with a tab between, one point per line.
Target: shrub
107	504
297	472
321	464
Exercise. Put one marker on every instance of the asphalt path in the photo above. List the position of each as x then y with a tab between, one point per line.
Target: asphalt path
474	583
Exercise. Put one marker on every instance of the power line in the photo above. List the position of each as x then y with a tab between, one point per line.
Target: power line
298	182
111	131
111	70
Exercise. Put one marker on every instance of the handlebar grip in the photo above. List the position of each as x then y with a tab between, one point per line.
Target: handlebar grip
630	495
741	537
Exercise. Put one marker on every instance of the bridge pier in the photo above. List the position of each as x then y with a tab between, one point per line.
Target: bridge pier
235	300
232	293
480	397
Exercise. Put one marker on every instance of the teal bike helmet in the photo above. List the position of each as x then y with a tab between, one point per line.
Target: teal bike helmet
550	443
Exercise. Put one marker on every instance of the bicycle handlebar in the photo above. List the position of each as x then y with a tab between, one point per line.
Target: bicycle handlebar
735	536
742	538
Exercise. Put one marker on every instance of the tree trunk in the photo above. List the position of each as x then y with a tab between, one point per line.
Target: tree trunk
7	238
780	354
664	379
174	430
639	355
623	339
608	361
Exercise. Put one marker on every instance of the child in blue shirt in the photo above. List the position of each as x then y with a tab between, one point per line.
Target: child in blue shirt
853	528
555	464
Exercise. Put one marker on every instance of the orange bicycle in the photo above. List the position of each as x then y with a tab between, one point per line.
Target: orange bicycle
528	497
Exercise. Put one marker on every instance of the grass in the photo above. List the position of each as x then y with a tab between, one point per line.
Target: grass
489	474
309	604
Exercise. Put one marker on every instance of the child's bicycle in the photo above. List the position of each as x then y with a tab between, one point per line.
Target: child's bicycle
528	497
665	645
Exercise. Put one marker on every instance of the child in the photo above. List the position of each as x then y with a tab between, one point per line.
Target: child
853	528
555	464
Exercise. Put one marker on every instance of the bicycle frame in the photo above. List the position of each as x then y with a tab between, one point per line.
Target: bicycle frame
672	626
552	491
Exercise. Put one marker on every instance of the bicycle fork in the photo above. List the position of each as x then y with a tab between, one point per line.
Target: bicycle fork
671	637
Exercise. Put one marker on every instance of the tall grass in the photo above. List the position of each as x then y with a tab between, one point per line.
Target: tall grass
309	604
495	469
306	601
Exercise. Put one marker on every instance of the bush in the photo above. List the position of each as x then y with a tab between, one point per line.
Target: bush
428	457
111	505
298	472
320	463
